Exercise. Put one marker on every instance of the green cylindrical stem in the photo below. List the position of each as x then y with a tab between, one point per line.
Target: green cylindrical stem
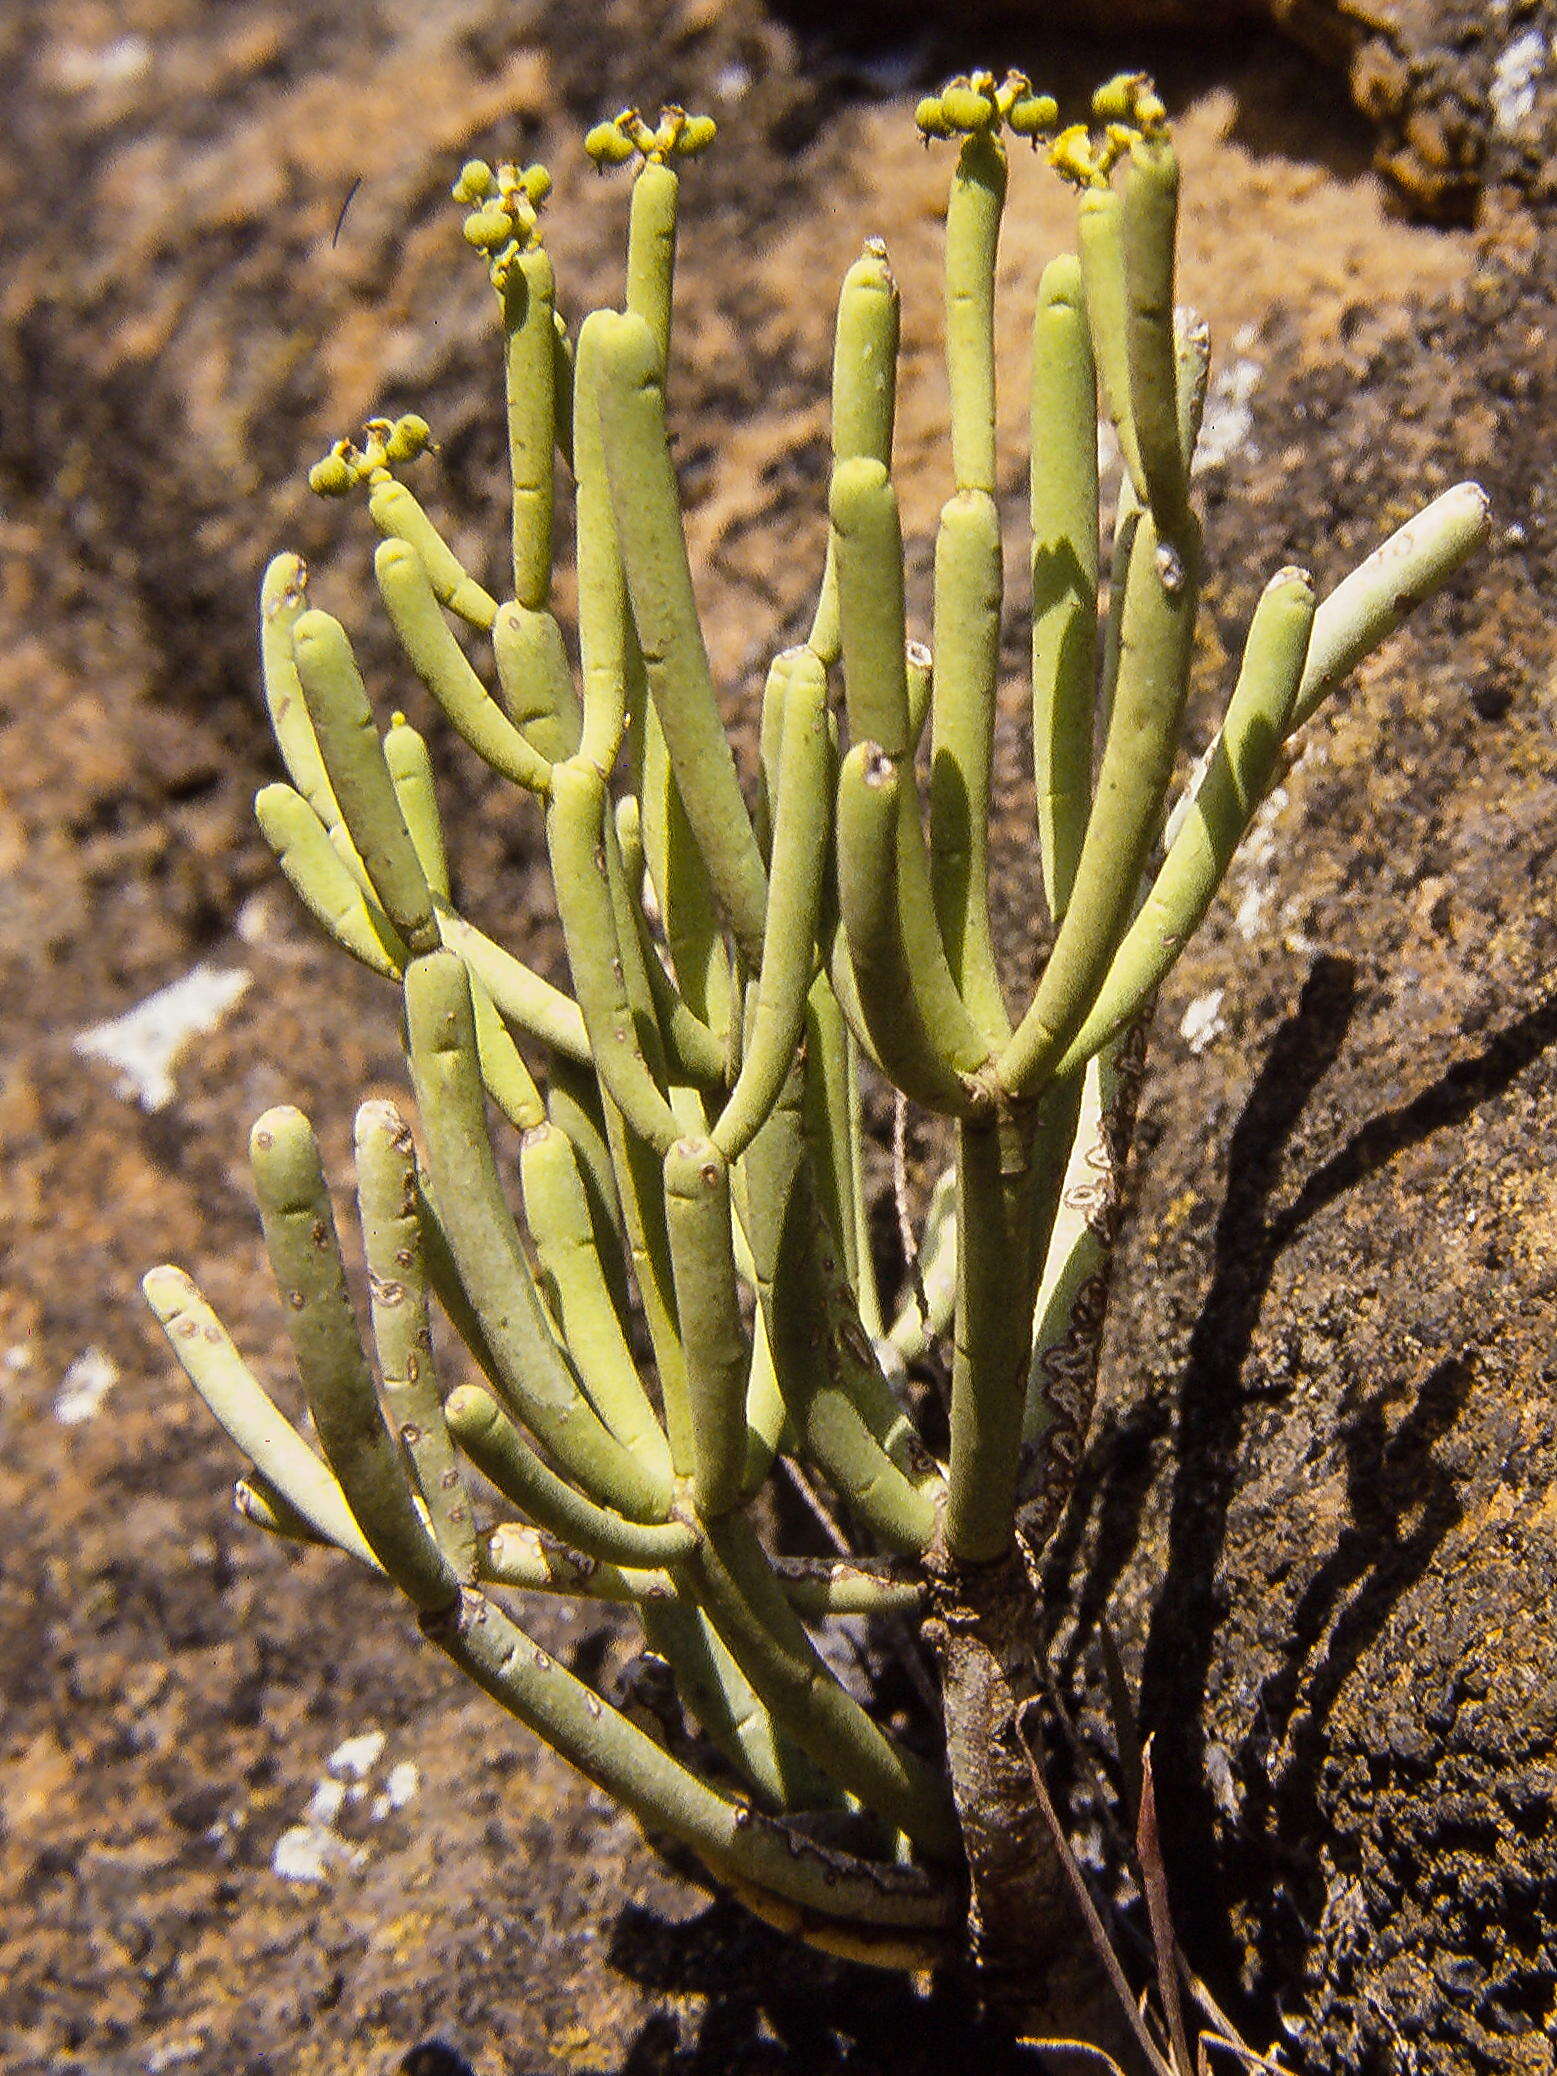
354	758
364	1455
1156	638
921	689
816	1587
864	401
810	1267
800	844
840	977
1100	241
1008	1178
605	631
766	1414
1127	516
627	817
575	832
863	1281
868	540
1366	607
640	1189
574	1105
882	857
718	1694
967	672
978	195
830	1099
537	685
697	1211
915	1329
502	1455
1231	787
1192	352
651	252
489	1253
696	1006
557	1212
840	1408
322	883
909	1046
240	1403
679	1045
522	996
388	1199
1149	221
262	1502
646	502
865	345
444	1280
283	602
530	349
770	745
1073	1295
513	1554
769	1643
826	636
562	386
1064	497
444	669
410	770
398	516
660	1791
507	1079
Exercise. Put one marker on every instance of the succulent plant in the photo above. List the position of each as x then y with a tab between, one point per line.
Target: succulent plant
688	1306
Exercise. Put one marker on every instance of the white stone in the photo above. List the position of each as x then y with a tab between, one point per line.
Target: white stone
144	1044
1514	77
326	1802
84	1387
304	1853
357	1757
403	1784
1228	420
1249	917
1202	1021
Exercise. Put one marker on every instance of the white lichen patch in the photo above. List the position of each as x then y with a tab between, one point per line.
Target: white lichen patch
326	1802
84	1387
357	1757
144	1044
1515	78
1202	1021
1228	420
402	1784
1257	861
314	1850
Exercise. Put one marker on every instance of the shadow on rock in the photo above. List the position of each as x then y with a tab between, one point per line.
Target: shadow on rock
771	2007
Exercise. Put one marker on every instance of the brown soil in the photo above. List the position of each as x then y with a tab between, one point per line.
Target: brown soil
1319	1493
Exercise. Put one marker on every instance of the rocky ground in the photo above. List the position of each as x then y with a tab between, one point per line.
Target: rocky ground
246	1823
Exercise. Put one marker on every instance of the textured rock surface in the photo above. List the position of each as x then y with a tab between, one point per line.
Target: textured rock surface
185	318
1462	94
1322	1496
